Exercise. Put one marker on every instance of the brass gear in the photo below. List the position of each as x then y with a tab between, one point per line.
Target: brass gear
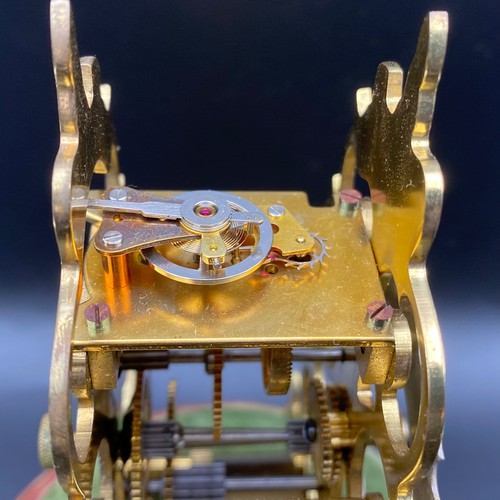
171	392
137	469
169	470
322	451
340	400
277	369
214	362
340	403
328	406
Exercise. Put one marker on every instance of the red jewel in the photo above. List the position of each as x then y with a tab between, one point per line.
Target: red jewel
206	212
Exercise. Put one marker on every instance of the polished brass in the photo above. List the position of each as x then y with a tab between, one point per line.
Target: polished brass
222	314
216	370
277	370
341	289
290	236
116	271
322	451
86	146
137	483
103	369
391	142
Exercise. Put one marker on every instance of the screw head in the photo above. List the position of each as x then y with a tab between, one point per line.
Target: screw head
276	211
300	239
378	314
217	264
350	199
271	269
97	317
118	194
112	239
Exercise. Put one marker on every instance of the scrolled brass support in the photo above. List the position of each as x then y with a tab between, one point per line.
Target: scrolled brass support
86	146
390	140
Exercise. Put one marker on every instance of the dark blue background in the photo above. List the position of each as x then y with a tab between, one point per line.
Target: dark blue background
232	94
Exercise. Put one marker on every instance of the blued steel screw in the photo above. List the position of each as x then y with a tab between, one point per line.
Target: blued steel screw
350	199
378	314
98	317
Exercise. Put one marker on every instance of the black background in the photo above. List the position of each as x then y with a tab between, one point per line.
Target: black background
230	94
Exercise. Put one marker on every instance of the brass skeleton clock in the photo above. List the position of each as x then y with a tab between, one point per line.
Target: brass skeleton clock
332	302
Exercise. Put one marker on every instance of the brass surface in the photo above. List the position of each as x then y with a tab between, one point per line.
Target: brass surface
391	141
325	306
103	367
86	146
116	272
290	236
295	293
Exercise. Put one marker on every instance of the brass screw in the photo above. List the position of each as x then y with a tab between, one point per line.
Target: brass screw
271	269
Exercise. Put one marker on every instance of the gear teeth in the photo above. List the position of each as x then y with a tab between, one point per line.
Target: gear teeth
217	395
137	472
315	258
172	389
277	369
329	405
323	253
340	402
325	455
169	471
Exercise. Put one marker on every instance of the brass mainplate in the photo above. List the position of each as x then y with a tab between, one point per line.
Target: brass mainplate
325	306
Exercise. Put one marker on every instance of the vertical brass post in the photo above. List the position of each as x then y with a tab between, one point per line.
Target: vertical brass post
116	271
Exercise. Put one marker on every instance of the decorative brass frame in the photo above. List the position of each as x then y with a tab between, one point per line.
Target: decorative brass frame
378	254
